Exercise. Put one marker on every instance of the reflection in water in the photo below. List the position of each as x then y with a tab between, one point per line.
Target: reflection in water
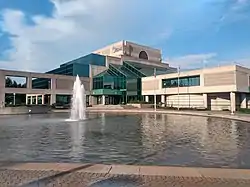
139	139
177	138
103	122
220	141
77	138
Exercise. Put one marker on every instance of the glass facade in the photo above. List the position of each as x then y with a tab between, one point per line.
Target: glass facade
124	81
63	99
80	66
75	67
183	82
107	81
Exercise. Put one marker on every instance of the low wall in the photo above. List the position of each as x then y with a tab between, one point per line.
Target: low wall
33	109
136	105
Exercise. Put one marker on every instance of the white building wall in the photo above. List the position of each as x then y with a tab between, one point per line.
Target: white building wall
185	101
216	86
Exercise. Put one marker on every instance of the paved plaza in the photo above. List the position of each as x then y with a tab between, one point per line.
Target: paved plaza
90	175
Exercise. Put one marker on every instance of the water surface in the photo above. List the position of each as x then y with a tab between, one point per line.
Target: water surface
149	139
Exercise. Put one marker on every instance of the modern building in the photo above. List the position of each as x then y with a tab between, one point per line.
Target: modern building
218	88
114	71
126	72
111	75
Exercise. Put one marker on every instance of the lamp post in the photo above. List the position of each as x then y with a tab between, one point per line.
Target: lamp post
188	82
178	87
155	90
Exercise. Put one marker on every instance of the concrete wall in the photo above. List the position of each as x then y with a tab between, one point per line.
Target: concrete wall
130	49
212	80
95	70
242	79
221	88
60	84
136	105
115	49
113	60
133	50
25	110
220	78
185	101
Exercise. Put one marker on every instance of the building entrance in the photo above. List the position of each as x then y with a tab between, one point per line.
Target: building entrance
112	100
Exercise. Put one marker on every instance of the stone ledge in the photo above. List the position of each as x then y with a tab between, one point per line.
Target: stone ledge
162	171
97	168
193	113
43	166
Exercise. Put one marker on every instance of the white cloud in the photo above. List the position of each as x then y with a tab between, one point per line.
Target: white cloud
192	61
77	27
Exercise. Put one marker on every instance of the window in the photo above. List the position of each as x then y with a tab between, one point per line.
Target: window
183	82
143	55
98	83
41	83
15	82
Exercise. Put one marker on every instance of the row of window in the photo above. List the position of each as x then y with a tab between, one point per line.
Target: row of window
183	82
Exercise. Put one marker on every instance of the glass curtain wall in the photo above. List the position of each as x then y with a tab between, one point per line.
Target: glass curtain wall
109	82
106	81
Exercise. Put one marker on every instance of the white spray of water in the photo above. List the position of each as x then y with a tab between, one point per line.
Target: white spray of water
78	103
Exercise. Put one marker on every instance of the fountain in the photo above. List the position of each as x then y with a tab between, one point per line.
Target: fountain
78	102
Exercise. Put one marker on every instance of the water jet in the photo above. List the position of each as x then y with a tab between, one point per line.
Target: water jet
78	101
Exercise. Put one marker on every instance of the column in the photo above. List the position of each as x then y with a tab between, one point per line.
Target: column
103	99
2	90
232	102
90	100
27	99
29	82
53	91
36	99
42	99
52	99
53	84
2	99
146	98
163	100
205	105
243	103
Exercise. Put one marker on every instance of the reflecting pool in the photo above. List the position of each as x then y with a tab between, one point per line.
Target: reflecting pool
147	139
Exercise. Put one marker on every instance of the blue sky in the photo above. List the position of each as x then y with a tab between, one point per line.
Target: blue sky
41	34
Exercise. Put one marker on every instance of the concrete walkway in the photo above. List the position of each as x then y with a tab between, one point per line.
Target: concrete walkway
217	114
71	175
